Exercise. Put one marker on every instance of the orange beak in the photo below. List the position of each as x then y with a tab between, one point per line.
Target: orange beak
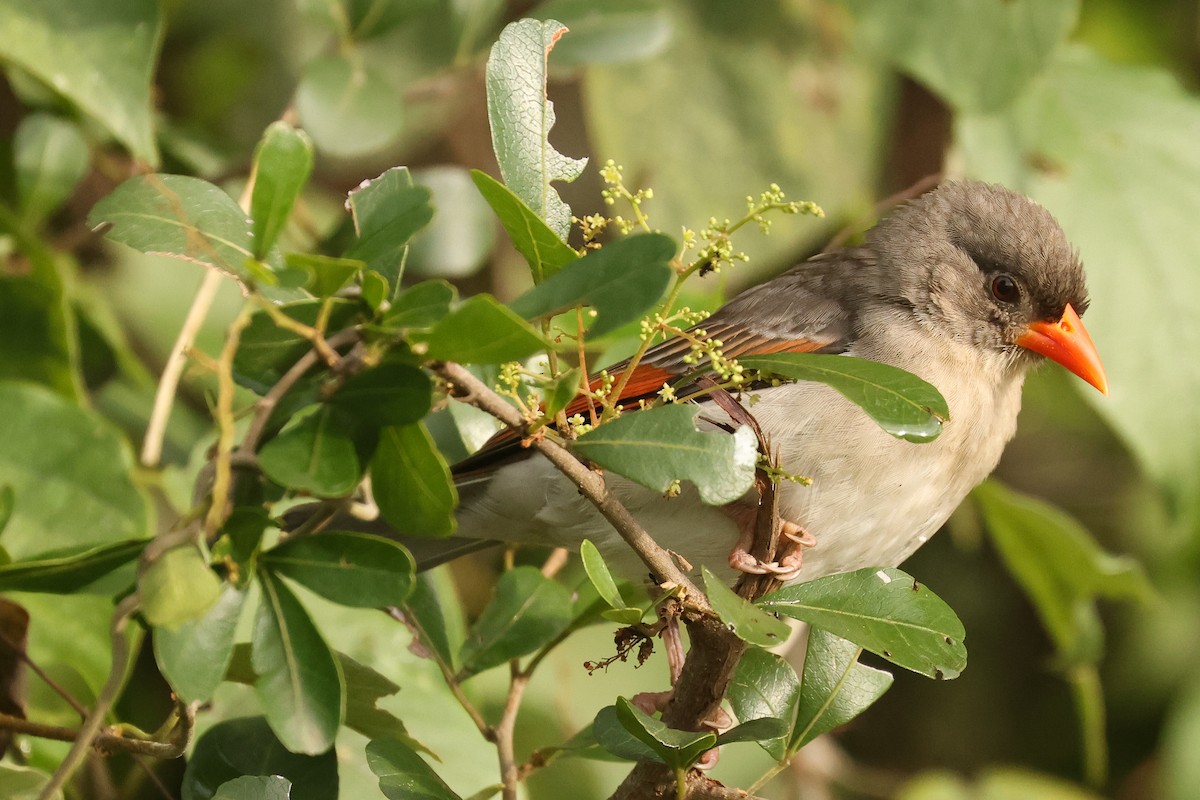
1068	343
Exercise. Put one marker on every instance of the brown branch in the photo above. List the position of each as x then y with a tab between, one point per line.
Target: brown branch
469	389
104	741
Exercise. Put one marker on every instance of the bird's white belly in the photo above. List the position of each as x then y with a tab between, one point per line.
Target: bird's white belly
873	498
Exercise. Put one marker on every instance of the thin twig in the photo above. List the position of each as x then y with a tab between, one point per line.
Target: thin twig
168	383
222	485
505	729
90	729
58	688
103	741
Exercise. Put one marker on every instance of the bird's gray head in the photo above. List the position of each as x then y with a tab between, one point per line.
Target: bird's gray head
979	263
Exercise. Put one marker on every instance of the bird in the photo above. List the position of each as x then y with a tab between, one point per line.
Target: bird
967	286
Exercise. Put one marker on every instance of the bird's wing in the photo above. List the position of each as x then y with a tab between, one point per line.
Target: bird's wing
804	310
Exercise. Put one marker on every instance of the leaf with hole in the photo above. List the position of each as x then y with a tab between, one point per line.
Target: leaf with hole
884	611
747	621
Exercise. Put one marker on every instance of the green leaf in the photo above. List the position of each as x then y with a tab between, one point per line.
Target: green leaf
247	746
836	688
23	783
326	275
182	217
314	455
1111	151
412	482
195	656
255	787
481	331
1181	741
267	351
620	281
282	164
901	403
434	609
927	38
1061	568
7	499
347	107
298	680
677	749
528	611
403	774
72	489
884	611
561	391
389	394
64	572
50	157
763	729
364	689
746	620
610	735
387	211
420	306
543	249
609	33
521	118
98	54
765	685
353	569
178	587
661	445
600	575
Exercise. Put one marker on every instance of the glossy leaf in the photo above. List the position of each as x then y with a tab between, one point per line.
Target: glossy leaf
1060	566
884	611
412	484
50	157
612	32
282	164
68	571
178	587
98	54
315	455
348	108
194	656
836	688
661	445
601	578
745	619
353	569
765	685
481	331
543	249
389	394
521	118
675	748
74	489
527	612
901	403
247	746
298	680
387	211
420	306
179	216
612	738
255	787
620	281
762	729
403	774
928	40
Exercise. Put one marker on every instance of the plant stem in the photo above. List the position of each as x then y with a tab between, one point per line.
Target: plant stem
1089	704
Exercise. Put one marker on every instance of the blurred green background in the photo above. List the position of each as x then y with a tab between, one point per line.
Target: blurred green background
1088	106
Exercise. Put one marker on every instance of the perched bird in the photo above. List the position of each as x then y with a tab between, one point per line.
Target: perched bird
967	286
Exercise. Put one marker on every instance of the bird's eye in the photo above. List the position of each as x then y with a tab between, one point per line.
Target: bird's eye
1005	288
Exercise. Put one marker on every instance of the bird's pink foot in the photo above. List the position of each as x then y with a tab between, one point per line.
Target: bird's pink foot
784	568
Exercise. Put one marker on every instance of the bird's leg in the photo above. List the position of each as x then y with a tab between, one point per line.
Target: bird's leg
786	567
